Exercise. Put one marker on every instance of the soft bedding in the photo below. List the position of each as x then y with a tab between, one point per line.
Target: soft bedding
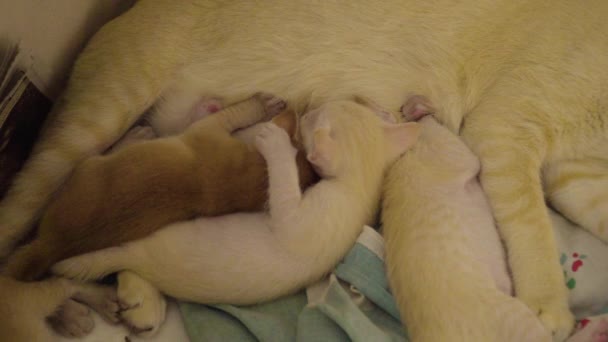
354	302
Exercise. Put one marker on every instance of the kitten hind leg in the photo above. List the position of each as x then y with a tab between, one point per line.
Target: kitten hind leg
579	190
259	107
510	175
144	307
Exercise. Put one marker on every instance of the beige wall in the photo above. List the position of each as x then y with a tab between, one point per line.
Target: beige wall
51	32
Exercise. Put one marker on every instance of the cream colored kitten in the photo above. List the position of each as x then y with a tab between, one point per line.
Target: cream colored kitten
526	80
447	238
445	235
249	258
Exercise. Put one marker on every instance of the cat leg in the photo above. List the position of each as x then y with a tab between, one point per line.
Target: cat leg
102	299
511	158
115	79
144	307
578	189
284	192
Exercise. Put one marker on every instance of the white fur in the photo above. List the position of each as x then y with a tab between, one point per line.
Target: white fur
452	275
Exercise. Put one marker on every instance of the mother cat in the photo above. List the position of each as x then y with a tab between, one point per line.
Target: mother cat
525	80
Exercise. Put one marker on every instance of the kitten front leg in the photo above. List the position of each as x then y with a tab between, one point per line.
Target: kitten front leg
244	114
284	193
510	175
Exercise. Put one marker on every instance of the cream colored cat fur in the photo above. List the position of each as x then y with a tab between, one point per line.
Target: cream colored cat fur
445	235
526	80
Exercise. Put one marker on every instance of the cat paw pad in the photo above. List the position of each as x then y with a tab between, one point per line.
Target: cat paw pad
72	319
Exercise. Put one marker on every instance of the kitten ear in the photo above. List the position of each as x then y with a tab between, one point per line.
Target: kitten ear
383	114
323	154
287	121
401	137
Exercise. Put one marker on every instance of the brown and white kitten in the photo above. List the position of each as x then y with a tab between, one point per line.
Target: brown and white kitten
142	187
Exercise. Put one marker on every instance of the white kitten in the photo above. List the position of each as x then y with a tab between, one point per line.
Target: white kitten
447	266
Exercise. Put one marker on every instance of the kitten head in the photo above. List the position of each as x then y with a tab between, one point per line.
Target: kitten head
343	135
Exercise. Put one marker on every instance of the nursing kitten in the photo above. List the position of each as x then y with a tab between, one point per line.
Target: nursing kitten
445	235
30	311
142	187
447	266
526	80
248	258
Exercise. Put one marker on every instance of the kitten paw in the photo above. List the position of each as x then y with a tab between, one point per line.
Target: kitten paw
204	107
272	105
143	306
106	304
416	107
72	319
274	141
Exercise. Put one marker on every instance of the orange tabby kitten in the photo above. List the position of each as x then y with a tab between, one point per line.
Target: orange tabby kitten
140	188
